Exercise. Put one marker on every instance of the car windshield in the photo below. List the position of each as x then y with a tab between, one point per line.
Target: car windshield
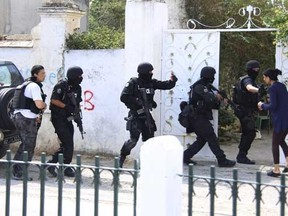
10	76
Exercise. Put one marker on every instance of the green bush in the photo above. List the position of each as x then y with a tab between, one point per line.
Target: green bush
99	38
227	125
106	27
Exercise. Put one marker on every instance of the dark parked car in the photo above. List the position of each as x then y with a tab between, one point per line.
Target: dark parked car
10	77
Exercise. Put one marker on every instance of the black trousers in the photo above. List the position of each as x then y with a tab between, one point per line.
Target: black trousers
248	135
205	133
278	139
65	131
137	127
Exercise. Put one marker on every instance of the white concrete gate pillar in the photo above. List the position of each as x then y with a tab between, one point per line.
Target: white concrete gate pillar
49	36
144	25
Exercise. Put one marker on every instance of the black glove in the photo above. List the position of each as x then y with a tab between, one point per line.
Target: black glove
262	90
70	109
173	77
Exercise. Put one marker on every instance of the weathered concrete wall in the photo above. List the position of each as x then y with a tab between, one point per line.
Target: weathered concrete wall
103	112
20	16
176	14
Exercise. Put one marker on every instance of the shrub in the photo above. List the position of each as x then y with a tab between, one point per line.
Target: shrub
99	38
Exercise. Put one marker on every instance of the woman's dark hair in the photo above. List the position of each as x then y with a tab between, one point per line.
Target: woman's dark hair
36	69
272	73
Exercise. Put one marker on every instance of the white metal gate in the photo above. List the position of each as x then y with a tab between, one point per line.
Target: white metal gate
185	52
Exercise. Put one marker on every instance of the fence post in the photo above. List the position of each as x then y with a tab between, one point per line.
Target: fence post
159	188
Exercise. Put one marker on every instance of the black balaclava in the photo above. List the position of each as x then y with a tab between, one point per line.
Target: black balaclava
73	75
207	74
250	68
144	70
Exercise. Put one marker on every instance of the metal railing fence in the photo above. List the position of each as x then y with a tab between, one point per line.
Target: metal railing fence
60	168
235	185
211	183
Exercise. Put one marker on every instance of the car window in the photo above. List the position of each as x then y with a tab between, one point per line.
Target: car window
5	76
10	76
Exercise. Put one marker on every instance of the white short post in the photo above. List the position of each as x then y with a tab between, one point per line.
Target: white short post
160	186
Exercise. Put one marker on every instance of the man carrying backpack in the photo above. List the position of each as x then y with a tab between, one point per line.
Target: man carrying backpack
246	97
203	100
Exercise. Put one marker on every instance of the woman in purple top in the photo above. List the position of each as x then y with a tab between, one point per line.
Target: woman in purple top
278	107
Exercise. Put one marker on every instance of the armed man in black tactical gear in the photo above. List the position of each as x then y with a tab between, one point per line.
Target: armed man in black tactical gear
203	100
138	95
28	102
62	111
245	95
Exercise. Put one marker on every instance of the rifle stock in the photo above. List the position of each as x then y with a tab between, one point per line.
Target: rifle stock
224	95
77	114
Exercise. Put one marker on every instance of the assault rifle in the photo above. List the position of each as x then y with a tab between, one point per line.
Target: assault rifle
262	92
40	115
77	114
147	107
224	95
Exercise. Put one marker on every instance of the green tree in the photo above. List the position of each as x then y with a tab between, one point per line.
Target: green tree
106	27
110	13
236	47
277	17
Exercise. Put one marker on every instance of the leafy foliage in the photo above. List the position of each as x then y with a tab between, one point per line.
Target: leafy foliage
106	27
278	18
107	13
99	38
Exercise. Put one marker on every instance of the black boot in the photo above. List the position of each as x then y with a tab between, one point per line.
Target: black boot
189	161
243	159
51	169
69	172
226	163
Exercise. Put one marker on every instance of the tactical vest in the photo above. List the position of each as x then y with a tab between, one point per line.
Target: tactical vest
241	96
150	91
20	101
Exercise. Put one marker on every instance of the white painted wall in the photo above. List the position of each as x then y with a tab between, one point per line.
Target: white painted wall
103	112
282	64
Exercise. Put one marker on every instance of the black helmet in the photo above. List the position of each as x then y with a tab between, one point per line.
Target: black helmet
252	64
144	67
74	72
208	72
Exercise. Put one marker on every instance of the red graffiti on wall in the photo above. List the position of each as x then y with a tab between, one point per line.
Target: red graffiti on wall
88	105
